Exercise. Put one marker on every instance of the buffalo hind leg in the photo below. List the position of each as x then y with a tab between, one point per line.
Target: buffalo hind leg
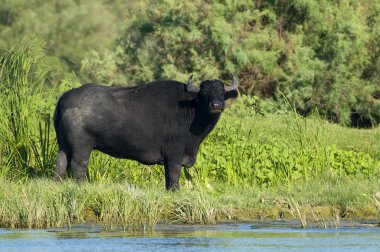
61	165
172	174
79	163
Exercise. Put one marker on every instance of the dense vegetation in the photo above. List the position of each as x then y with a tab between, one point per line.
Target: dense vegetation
69	27
321	55
319	59
246	148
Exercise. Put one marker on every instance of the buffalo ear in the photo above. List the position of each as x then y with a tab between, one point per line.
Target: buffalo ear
230	94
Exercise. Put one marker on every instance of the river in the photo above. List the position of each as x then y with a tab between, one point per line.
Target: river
257	236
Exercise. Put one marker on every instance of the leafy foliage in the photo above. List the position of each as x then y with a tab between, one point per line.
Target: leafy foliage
236	155
320	54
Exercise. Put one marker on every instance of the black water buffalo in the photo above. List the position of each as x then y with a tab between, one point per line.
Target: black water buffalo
162	122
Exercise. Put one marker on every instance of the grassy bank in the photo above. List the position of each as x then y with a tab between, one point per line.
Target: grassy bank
42	203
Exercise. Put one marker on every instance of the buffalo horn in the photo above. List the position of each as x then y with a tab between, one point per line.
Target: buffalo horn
190	86
234	85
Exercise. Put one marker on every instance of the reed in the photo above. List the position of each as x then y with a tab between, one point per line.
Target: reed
27	146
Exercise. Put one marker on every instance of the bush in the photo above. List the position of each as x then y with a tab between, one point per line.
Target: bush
319	54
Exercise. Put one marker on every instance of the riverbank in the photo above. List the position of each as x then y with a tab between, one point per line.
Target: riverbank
41	203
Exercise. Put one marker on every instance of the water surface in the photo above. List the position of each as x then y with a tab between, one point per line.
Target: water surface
258	236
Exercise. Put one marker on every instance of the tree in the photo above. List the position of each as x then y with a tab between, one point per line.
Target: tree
320	54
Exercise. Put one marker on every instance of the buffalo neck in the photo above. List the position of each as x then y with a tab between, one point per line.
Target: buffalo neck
202	123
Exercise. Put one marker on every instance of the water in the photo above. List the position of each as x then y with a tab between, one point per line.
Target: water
258	236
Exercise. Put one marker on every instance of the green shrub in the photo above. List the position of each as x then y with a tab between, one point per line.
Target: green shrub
319	54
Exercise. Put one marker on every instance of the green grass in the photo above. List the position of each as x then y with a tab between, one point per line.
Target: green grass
246	148
41	203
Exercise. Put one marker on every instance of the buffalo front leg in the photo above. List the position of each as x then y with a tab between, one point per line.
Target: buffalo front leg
172	174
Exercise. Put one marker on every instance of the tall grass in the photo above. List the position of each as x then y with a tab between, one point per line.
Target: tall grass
42	203
39	204
26	141
126	208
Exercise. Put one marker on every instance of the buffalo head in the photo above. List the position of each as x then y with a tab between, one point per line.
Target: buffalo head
212	93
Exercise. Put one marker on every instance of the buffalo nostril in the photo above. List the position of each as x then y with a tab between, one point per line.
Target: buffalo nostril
216	104
216	107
